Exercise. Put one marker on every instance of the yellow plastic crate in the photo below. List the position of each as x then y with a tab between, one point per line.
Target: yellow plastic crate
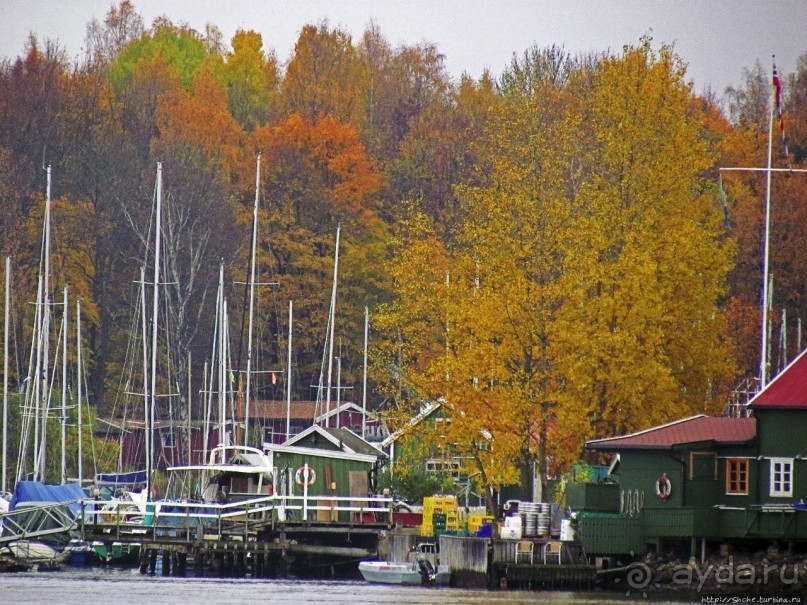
476	521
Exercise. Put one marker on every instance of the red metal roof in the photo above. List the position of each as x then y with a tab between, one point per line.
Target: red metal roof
689	430
787	390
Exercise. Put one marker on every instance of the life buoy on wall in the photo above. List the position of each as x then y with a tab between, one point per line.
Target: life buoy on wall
300	475
663	487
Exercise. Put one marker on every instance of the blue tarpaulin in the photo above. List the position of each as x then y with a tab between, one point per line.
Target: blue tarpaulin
132	479
36	492
47	510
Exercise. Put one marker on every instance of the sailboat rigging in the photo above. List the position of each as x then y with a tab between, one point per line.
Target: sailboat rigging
4	483
247	394
328	349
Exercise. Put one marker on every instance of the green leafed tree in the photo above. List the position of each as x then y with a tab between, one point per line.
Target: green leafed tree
183	50
251	79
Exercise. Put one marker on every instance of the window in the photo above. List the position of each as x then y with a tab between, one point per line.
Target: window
703	465
444	465
271	434
239	484
737	476
781	477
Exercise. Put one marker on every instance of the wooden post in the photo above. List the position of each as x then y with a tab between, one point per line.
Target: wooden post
166	571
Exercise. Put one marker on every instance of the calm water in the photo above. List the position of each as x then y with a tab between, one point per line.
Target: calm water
93	585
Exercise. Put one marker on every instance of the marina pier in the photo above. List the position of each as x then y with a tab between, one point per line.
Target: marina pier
271	536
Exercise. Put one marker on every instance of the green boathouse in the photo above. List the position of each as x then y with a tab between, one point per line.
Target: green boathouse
710	479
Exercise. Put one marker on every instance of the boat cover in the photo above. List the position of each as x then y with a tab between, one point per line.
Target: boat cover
35	492
133	479
30	499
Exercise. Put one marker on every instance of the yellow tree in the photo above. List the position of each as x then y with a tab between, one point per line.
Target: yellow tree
585	282
503	289
650	340
520	242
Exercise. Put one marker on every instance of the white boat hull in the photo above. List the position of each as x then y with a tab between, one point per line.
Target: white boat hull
399	573
32	551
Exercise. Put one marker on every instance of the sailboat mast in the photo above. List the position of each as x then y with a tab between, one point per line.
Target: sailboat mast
288	379
338	385
39	462
763	362
80	373
229	411
331	318
4	486
251	297
364	376
36	349
222	438
144	333
206	411
154	317
190	413
64	392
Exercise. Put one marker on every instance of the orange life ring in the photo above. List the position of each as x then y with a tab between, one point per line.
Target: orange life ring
300	476
663	487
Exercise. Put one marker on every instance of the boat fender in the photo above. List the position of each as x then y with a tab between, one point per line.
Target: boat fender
299	476
663	487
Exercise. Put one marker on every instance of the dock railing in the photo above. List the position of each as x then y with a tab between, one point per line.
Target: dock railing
50	519
194	519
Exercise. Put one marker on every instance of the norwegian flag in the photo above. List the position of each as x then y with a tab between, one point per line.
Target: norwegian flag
777	87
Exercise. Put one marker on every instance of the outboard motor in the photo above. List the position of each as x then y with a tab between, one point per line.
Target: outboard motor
426	569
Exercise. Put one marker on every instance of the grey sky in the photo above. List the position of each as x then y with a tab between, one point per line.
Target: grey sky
716	38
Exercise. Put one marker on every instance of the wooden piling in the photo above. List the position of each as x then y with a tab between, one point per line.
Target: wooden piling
468	560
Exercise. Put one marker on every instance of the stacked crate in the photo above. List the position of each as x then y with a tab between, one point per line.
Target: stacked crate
475	521
440	516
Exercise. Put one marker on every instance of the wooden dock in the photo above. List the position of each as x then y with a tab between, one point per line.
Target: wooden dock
511	564
264	537
274	537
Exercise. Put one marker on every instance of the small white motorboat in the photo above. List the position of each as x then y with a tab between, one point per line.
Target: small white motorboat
422	568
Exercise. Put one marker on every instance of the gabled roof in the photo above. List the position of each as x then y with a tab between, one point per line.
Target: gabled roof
346	406
317	453
788	390
695	429
342	439
354	442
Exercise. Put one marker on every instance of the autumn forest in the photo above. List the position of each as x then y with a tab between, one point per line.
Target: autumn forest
552	252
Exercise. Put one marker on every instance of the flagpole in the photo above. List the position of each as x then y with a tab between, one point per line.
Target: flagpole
763	369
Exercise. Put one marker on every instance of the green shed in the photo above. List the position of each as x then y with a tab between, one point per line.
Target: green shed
326	474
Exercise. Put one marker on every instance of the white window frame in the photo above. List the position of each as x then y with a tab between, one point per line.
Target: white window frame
781	487
168	440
